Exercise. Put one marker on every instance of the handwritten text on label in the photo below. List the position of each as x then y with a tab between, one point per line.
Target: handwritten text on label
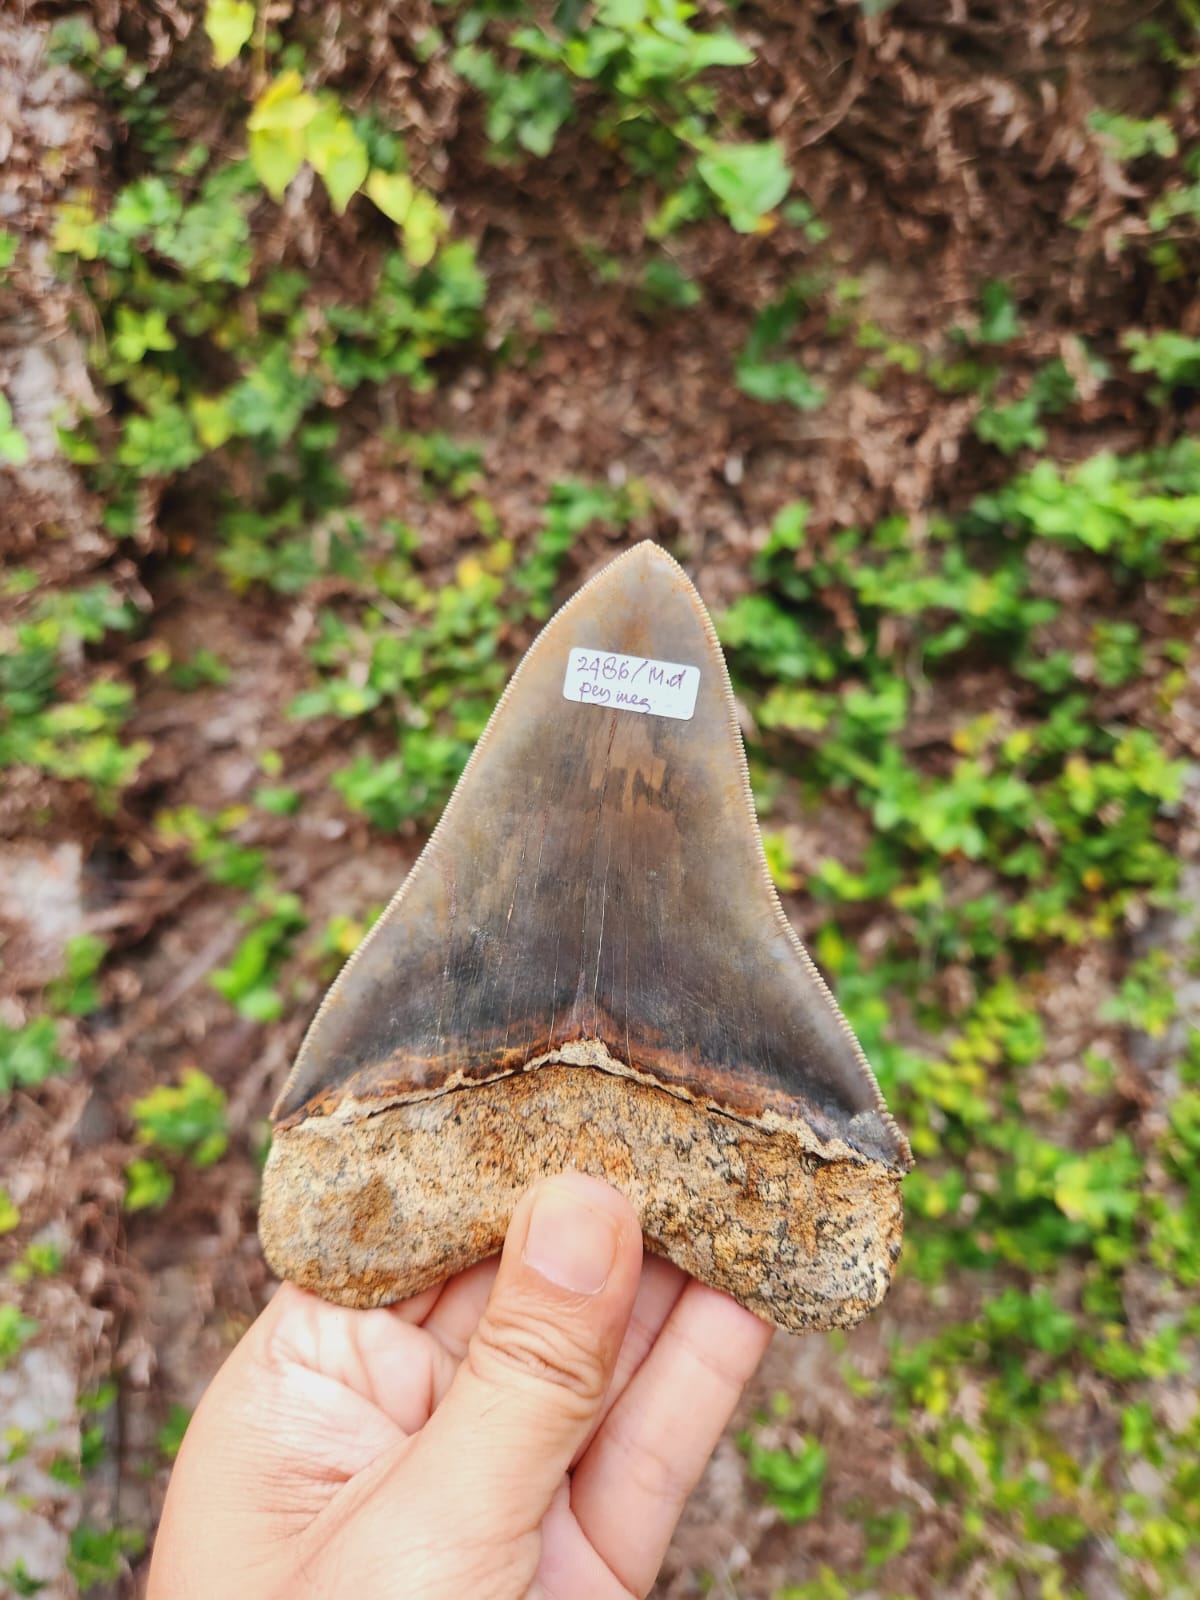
631	683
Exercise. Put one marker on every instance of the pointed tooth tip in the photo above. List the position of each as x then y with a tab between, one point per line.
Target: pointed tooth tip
643	566
647	554
652	551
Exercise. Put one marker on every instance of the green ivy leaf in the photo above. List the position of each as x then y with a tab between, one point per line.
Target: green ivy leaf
774	381
747	180
1097	1188
97	1555
999	321
794	1480
188	1117
159	443
228	24
1132	138
140	331
170	1435
29	1055
1173	358
15	1330
148	1185
14	446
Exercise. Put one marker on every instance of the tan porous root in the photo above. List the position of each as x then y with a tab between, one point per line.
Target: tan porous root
368	1208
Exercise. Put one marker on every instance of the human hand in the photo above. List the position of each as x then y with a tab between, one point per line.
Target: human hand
531	1429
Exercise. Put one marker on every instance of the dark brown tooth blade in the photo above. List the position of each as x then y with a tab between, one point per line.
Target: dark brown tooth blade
599	875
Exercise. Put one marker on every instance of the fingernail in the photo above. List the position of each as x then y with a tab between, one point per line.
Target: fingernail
571	1243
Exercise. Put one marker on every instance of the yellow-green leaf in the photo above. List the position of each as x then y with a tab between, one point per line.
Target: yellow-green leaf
76	229
337	153
283	106
211	420
228	24
10	1215
410	208
392	192
276	156
276	126
1075	1194
423	227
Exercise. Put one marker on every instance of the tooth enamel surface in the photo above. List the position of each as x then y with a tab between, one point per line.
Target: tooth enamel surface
589	966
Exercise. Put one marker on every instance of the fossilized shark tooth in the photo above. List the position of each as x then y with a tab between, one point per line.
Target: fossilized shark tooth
589	967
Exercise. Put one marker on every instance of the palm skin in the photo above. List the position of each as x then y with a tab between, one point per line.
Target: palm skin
531	1428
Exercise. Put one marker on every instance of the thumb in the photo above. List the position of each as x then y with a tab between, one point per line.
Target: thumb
540	1361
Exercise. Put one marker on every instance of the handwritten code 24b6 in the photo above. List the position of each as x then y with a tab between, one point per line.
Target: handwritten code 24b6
631	683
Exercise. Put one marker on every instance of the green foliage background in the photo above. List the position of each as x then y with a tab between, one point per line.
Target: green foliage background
973	724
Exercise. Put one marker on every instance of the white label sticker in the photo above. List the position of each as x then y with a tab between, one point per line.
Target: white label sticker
631	683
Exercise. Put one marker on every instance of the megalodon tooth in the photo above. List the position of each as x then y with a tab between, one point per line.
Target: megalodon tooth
588	967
